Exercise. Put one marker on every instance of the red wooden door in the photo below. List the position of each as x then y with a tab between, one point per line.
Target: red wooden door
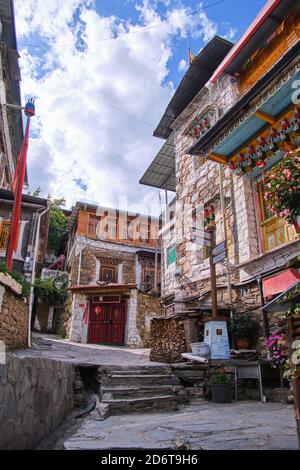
107	323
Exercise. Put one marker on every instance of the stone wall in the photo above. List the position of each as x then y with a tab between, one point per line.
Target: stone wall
36	395
13	314
148	306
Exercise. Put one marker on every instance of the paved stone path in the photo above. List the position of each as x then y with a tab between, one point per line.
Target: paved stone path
53	347
239	425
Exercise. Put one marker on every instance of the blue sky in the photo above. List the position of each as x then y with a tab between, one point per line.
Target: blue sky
98	100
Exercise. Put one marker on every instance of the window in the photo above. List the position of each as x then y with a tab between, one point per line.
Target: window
171	255
4	234
275	230
108	274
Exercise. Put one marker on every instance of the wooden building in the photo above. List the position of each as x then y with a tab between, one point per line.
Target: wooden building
114	264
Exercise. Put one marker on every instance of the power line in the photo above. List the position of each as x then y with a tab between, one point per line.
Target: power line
141	30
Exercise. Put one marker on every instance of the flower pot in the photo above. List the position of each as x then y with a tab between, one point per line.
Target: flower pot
243	343
220	393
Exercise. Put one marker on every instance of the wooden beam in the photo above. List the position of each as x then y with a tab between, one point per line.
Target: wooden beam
265	117
216	157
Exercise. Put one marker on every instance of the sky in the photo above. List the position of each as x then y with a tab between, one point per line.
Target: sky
102	73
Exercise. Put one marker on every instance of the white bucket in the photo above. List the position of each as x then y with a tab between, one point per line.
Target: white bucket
200	349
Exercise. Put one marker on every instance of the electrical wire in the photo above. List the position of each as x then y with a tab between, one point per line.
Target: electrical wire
141	30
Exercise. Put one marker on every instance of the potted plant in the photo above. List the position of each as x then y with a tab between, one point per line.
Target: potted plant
283	188
220	388
244	330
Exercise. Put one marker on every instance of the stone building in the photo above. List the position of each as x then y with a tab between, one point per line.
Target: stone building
222	136
11	129
114	264
32	209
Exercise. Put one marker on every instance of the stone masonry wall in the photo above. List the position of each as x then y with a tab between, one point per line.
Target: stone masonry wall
13	314
35	396
148	307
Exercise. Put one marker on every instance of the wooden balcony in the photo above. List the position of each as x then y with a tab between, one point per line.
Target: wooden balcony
286	36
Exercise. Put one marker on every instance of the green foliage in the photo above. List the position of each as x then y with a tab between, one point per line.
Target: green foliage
58	224
17	277
220	378
45	289
243	326
35	193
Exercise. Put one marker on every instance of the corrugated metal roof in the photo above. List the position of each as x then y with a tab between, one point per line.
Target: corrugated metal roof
161	172
198	73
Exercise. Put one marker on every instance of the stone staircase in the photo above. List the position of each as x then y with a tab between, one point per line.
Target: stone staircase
131	389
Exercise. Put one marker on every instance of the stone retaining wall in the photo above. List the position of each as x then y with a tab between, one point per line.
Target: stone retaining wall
13	314
35	396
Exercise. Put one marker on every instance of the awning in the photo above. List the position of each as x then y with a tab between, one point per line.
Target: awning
102	289
161	172
280	282
283	302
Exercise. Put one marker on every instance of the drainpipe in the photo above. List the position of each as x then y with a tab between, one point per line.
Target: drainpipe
79	263
31	293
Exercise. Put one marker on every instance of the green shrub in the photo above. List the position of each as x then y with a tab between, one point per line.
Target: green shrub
243	326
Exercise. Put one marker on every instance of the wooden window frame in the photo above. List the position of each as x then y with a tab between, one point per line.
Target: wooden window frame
272	226
111	268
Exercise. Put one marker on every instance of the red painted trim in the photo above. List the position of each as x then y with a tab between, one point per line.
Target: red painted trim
255	25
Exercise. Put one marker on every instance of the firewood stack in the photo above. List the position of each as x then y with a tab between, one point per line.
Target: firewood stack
167	340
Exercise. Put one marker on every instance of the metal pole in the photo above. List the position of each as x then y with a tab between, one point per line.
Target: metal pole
228	273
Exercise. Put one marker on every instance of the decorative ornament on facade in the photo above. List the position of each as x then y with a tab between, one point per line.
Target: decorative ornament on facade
279	139
199	126
209	217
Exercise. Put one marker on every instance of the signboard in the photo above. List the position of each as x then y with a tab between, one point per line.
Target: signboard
200	233
171	255
200	240
219	258
219	248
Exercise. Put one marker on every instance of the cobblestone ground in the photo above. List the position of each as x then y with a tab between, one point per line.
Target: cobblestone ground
208	426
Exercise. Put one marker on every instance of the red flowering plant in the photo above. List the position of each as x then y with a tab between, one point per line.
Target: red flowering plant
282	186
275	353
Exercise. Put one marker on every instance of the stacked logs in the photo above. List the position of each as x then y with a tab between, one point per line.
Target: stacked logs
167	340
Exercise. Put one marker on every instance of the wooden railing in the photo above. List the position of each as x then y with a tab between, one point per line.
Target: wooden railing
286	36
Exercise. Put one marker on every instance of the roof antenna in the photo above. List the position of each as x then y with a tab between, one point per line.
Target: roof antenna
191	56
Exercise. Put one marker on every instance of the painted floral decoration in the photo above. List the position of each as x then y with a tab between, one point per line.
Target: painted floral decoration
283	187
209	217
275	354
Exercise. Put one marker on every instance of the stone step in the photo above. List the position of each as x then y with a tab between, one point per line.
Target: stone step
139	380
133	405
108	392
136	370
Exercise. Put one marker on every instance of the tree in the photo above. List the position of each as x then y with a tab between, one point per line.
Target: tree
57	225
34	193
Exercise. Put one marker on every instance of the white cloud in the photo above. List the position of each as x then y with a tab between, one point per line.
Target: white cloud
183	65
87	98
